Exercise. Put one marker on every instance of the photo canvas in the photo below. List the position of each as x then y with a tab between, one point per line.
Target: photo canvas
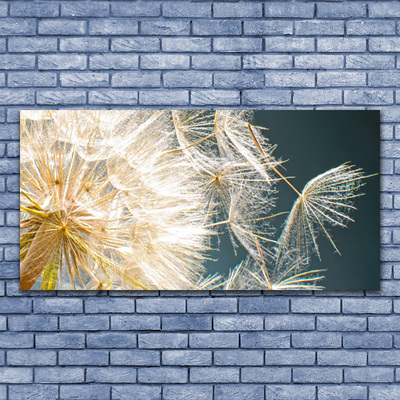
151	199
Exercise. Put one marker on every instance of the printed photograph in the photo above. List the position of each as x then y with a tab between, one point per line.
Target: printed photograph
152	199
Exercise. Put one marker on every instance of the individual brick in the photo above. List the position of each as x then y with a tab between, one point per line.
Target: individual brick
32	323
321	340
187	323
111	340
114	27
240	323
60	341
268	27
366	306
21	44
381	392
212	305
153	98
16	340
187	357
369	375
183	392
267	61
129	9
109	96
110	375
181	9
18	306
214	340
61	27
372	61
287	10
163	340
370	28
318	27
164	27
62	61
342	78
341	323
19	26
32	79
341	11
381	45
17	61
216	27
333	392
60	375
135	322
289	323
85	9
36	9
367	341
135	44
135	357
262	96
317	375
164	61
237	45
59	97
84	323
193	45
214	375
216	62
84	44
266	375
160	305
290	392
319	61
187	79
385	323
113	61
384	357
211	97
368	97
136	392
325	306
261	340
382	10
290	357
109	305
270	305
162	375
234	392
341	45
31	357
384	78
16	375
32	391
57	306
289	79
238	357
84	79
97	391
83	357
239	10
289	45
342	358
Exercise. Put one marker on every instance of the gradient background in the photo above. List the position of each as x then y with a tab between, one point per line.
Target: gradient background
313	142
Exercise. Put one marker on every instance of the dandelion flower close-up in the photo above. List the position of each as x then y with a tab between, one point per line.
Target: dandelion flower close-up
139	199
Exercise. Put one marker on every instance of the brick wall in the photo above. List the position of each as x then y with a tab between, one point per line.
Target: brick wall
180	345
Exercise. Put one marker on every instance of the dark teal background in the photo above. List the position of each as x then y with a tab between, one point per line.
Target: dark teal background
313	142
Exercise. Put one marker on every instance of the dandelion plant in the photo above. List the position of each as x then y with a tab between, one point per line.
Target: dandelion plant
134	199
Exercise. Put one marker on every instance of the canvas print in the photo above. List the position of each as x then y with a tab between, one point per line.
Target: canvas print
199	200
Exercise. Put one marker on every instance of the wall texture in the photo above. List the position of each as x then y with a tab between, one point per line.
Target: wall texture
180	345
